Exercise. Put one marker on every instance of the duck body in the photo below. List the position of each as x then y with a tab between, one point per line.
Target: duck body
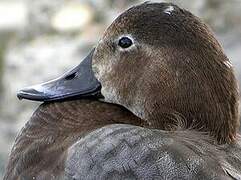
81	140
166	107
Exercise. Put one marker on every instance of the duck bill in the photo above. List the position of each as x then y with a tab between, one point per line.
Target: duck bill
76	83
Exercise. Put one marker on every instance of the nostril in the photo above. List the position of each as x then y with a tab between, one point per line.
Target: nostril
70	76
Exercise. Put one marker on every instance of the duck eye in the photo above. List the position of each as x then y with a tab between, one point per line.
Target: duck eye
125	42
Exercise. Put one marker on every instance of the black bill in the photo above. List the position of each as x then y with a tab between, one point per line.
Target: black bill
78	82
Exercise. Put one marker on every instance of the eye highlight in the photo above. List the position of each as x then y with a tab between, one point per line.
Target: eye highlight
125	42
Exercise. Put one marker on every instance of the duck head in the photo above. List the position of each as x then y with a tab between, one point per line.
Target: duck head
164	65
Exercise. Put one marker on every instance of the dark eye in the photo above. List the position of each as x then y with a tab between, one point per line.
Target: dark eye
125	42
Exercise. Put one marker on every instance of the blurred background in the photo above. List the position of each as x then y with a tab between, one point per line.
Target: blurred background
41	39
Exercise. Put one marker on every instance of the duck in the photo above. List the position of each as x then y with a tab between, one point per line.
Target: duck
156	98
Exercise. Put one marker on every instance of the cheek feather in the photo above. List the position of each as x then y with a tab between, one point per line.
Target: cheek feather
228	64
110	94
169	10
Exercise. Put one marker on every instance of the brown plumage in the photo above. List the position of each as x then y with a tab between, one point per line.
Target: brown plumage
41	147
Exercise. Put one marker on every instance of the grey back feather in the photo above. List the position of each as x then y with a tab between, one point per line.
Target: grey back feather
131	152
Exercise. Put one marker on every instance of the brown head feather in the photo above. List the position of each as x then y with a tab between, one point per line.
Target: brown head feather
175	67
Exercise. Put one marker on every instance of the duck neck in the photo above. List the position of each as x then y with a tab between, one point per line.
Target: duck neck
218	120
80	116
